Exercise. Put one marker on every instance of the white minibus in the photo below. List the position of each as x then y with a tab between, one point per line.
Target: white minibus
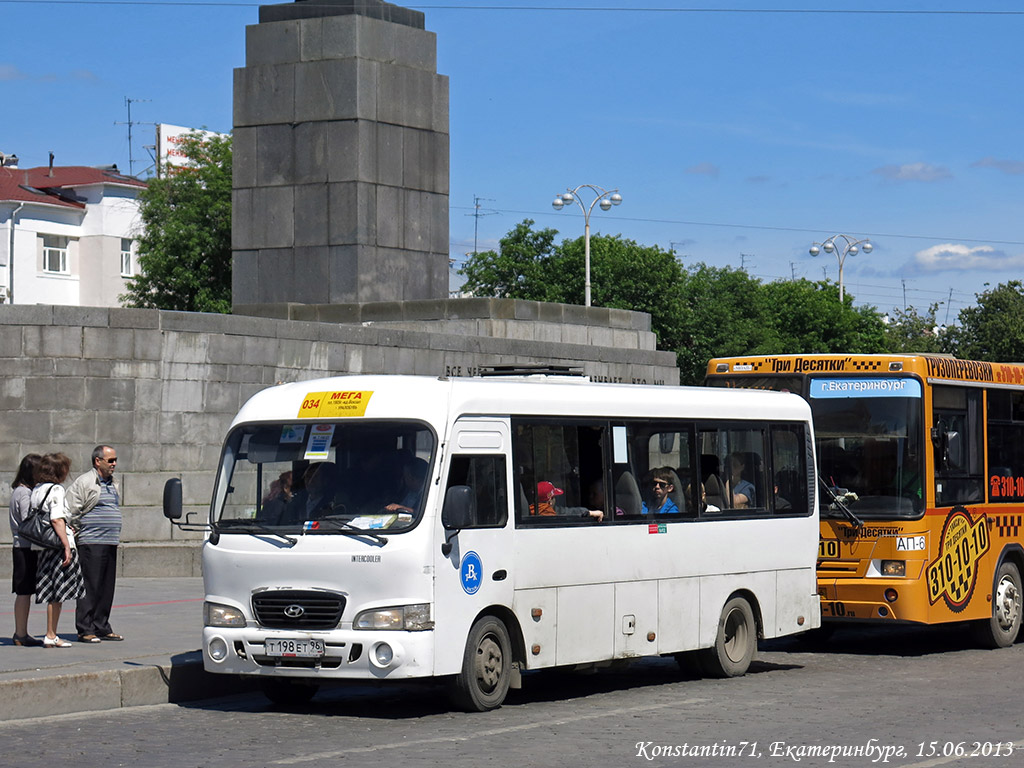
395	527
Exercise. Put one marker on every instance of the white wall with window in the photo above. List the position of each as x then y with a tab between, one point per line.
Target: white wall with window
73	237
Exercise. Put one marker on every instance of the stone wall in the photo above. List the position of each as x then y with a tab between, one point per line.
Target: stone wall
162	387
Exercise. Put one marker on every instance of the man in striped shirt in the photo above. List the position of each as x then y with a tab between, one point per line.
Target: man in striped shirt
94	505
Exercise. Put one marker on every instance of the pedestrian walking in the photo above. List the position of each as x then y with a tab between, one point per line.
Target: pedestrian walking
94	506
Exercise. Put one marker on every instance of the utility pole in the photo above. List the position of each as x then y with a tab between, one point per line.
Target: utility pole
476	214
792	271
948	302
743	260
131	157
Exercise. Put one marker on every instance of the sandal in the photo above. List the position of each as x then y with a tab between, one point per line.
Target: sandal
55	642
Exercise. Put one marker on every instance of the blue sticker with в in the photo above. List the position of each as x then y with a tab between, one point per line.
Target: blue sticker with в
470	573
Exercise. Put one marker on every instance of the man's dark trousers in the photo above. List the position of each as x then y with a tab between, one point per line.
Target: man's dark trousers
99	570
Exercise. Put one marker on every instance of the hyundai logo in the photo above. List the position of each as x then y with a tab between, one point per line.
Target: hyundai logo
294	611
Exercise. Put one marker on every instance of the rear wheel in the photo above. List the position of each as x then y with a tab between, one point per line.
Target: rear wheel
486	667
1000	630
735	643
288	693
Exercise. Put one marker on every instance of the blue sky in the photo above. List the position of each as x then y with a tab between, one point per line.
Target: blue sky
737	137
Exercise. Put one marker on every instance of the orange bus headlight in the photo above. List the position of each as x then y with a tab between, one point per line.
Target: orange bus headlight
894	568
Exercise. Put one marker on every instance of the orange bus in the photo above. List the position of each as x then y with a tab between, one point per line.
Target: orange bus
921	483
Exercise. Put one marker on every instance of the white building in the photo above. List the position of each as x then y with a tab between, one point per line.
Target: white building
66	234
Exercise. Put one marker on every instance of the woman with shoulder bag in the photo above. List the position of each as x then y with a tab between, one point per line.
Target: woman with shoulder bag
59	576
24	558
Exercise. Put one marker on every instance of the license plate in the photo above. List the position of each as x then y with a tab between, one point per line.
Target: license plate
294	647
828	549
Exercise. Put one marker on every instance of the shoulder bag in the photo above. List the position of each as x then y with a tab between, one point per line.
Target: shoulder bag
37	529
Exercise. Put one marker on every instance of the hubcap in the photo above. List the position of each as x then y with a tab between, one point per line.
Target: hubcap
488	663
735	636
1007	604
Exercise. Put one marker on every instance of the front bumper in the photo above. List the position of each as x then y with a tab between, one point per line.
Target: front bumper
351	654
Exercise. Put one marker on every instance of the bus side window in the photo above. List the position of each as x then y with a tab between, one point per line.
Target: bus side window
485	475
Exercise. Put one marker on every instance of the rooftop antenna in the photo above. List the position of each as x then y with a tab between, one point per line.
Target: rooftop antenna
131	157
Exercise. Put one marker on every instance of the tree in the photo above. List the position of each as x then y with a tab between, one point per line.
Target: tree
993	329
624	274
185	246
723	316
910	331
807	317
516	270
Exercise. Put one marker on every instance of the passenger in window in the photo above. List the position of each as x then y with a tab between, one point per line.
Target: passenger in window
276	501
742	490
704	505
413	475
321	482
597	500
662	486
546	507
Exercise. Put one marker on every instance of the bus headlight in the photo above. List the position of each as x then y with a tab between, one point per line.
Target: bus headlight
408	617
217	615
894	568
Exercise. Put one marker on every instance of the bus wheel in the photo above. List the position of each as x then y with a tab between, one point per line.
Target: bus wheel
735	644
1001	629
287	692
486	667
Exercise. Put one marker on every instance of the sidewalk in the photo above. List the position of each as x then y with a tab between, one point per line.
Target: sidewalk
158	661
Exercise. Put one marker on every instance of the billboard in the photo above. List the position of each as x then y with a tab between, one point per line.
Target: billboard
168	140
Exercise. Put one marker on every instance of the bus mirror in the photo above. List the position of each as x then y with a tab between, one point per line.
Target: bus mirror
172	499
459	509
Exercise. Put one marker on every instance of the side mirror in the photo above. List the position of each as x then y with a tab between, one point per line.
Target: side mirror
172	499
459	510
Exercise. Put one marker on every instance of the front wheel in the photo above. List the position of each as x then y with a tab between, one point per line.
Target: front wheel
735	643
1000	630
486	667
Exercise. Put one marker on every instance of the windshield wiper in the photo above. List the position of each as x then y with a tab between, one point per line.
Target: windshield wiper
252	528
345	527
839	504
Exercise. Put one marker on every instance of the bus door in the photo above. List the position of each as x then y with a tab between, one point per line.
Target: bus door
473	565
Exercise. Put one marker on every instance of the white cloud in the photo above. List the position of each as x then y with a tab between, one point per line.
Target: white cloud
704	169
914	172
1013	167
954	257
10	72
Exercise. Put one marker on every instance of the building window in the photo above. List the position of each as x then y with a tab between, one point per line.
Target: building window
55	254
126	257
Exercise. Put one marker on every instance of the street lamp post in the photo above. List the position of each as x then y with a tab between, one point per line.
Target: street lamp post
603	198
849	247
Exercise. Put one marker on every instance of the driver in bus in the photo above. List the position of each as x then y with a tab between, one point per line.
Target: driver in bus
413	474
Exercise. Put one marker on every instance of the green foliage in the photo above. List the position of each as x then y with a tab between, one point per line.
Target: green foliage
701	312
624	275
910	331
516	270
185	246
993	329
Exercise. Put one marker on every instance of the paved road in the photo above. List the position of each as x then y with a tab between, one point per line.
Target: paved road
876	691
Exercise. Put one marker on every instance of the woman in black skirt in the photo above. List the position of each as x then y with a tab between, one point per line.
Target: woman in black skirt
59	576
23	581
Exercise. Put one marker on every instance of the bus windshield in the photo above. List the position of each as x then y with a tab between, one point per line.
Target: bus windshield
869	446
324	477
